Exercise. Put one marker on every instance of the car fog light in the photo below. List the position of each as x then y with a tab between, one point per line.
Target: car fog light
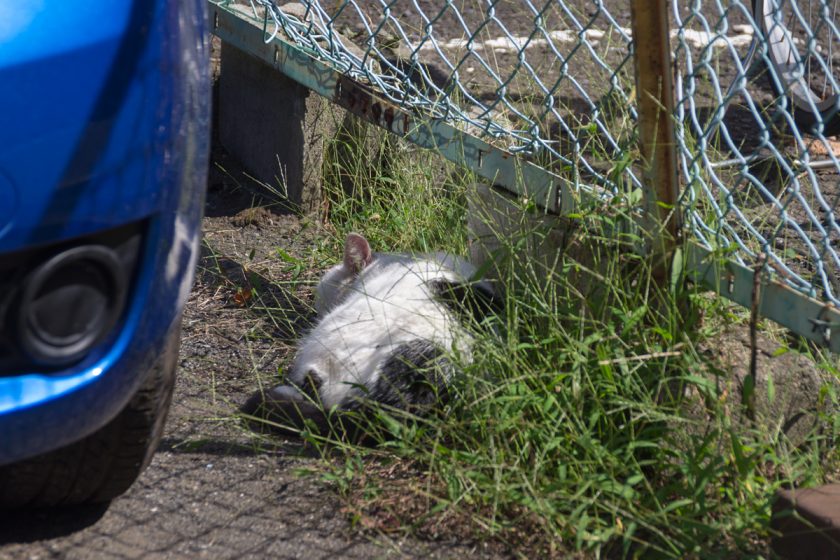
69	303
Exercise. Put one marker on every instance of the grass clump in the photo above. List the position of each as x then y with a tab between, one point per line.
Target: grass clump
591	420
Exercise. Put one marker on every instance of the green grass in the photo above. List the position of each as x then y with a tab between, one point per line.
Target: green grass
591	421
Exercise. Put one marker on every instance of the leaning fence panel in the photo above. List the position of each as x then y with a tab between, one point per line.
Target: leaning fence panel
552	81
548	80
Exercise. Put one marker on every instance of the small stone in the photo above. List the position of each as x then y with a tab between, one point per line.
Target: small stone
793	404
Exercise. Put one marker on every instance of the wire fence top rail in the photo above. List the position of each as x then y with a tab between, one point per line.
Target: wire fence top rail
756	88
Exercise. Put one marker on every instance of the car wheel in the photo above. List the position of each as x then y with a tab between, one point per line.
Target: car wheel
104	464
796	32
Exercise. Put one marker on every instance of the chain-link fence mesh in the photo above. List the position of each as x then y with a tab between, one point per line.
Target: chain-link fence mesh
760	166
552	80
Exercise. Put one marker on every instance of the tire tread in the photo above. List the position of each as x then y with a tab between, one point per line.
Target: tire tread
103	465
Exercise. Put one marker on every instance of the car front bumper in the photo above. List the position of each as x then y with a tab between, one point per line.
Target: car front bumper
134	155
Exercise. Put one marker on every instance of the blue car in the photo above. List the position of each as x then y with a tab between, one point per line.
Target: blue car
104	133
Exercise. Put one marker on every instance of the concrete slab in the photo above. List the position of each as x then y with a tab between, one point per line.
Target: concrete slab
275	127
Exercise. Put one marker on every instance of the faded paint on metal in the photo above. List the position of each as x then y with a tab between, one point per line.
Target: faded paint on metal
809	317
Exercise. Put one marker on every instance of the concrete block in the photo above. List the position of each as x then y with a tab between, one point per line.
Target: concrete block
808	521
361	153
276	128
495	220
526	241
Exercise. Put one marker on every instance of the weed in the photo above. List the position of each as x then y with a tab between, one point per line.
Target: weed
590	421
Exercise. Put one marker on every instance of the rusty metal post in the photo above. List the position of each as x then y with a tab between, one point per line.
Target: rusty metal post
655	101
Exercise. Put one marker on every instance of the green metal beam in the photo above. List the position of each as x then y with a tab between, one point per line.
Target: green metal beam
499	166
815	320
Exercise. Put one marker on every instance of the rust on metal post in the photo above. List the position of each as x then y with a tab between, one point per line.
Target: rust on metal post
655	100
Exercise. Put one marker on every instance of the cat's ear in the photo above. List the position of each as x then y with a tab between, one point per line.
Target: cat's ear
357	253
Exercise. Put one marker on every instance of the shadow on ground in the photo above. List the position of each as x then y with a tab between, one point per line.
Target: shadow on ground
37	525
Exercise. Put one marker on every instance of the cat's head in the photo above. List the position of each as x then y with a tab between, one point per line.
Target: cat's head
334	285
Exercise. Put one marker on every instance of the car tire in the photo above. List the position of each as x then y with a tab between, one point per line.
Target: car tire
809	114
104	464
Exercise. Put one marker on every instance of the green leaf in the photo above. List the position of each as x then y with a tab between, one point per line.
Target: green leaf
771	389
677	504
676	270
286	257
635	479
635	197
780	350
391	424
743	462
748	389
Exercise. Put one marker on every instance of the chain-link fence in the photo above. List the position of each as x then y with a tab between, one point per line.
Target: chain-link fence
761	170
549	80
552	81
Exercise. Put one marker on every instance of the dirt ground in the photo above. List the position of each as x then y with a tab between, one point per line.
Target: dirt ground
214	490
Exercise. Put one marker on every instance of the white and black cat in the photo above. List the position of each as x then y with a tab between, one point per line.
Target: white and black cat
388	325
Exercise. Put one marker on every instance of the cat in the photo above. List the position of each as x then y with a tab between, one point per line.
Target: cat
387	330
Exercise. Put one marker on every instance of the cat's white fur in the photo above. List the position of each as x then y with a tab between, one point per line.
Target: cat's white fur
369	305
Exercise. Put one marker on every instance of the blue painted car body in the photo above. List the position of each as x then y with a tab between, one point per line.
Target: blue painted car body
104	118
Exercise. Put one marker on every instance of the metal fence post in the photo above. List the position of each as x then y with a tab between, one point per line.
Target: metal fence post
655	102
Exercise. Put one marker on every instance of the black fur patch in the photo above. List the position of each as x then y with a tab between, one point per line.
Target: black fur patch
468	300
275	412
414	378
